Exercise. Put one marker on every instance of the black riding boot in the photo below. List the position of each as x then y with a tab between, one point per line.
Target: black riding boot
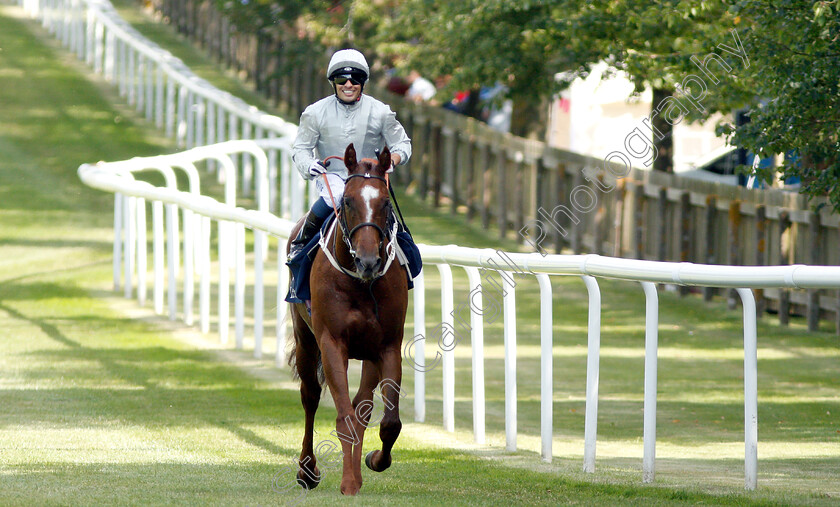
307	232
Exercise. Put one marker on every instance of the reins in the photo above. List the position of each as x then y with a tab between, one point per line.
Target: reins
327	183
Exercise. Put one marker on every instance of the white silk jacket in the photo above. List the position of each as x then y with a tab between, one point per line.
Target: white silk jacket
329	125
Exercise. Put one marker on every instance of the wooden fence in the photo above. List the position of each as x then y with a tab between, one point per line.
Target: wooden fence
516	185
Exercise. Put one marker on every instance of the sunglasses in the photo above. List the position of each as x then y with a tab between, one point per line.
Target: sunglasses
341	80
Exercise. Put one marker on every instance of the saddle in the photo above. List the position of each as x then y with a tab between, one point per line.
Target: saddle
300	265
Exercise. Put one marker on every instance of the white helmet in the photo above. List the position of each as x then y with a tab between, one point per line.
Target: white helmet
348	61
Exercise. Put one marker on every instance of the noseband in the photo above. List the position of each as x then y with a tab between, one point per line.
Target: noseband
348	236
341	219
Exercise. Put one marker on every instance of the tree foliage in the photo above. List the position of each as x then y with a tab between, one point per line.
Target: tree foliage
795	46
789	88
531	43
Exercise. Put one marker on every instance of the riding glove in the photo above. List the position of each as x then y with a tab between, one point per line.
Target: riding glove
317	168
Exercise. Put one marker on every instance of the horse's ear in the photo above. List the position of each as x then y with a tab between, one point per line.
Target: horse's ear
385	159
350	158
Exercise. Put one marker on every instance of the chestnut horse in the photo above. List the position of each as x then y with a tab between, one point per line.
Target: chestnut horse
359	300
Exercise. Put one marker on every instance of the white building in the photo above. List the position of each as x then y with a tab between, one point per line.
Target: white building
594	117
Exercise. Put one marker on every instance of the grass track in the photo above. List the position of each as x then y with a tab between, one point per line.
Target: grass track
99	407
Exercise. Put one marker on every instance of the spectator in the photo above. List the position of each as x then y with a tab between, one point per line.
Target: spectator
420	89
398	85
496	114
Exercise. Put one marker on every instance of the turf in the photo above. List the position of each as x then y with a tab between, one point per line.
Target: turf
100	407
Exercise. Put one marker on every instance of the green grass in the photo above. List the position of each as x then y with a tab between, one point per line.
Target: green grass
103	408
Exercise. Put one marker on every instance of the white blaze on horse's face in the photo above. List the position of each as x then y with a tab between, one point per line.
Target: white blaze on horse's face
369	193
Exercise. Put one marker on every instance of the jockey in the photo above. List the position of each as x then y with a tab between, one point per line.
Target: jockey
332	123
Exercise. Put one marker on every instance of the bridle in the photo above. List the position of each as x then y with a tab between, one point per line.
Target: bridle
341	220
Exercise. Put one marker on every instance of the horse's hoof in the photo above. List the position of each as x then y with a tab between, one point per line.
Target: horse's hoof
350	488
382	466
306	481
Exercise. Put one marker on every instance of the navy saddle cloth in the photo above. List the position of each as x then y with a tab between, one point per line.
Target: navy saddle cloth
301	264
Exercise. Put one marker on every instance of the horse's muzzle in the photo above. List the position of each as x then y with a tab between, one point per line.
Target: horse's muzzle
368	267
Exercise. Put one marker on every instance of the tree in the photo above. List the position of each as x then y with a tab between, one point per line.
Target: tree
481	43
782	64
787	78
795	48
528	43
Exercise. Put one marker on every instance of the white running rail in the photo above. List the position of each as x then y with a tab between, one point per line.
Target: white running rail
484	268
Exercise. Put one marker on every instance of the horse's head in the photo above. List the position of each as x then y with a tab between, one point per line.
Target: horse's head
366	210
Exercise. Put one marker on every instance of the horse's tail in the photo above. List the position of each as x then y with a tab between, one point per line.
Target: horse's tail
292	354
322	379
290	351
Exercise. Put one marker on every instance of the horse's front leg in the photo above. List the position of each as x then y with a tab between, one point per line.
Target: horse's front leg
362	407
389	428
334	359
